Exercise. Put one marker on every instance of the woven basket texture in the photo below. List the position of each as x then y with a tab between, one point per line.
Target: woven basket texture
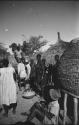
69	68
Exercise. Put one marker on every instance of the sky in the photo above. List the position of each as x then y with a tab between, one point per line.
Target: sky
19	20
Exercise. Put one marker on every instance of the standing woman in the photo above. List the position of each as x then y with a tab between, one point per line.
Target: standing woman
8	96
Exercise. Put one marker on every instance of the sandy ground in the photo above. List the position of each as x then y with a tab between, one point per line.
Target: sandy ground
23	105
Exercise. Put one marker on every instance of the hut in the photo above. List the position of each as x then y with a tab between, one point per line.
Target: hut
55	49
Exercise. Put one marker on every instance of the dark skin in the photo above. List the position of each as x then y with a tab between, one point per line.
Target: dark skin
55	72
38	72
32	75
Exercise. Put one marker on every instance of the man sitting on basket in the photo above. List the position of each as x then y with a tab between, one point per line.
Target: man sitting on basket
47	111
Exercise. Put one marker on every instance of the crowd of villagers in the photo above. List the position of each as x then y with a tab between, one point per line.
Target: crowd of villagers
42	80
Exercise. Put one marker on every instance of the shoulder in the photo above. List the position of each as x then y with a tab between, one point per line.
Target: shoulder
11	69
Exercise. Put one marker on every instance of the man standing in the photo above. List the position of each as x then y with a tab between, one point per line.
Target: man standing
39	72
55	72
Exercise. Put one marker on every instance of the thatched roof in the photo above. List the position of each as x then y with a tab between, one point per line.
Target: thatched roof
57	48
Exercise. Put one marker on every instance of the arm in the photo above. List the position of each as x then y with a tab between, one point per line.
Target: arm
14	76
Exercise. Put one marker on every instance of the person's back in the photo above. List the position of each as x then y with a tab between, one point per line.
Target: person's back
8	86
22	75
8	73
21	70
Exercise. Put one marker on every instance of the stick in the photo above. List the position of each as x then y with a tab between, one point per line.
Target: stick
65	108
75	111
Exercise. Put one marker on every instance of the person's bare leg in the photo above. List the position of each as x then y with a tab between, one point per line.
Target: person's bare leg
14	108
6	110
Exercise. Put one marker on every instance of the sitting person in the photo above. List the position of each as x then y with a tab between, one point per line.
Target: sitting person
47	111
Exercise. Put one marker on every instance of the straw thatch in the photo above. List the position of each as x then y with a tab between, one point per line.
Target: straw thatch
57	49
69	68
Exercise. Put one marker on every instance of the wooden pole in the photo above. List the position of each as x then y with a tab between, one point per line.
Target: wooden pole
65	108
75	111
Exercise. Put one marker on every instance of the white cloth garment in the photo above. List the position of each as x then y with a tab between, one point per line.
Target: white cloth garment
53	107
7	86
21	70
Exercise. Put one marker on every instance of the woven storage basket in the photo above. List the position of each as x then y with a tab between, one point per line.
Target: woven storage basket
69	68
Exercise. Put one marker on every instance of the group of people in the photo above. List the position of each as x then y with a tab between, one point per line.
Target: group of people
44	81
46	110
41	78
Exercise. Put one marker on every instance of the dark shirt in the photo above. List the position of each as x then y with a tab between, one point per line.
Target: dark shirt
55	75
47	94
39	71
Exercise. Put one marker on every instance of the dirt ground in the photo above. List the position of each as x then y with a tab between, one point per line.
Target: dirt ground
23	105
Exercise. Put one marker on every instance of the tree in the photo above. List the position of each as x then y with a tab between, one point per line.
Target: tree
26	47
3	51
34	44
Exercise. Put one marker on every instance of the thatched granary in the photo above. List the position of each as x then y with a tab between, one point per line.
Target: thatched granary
69	68
58	48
